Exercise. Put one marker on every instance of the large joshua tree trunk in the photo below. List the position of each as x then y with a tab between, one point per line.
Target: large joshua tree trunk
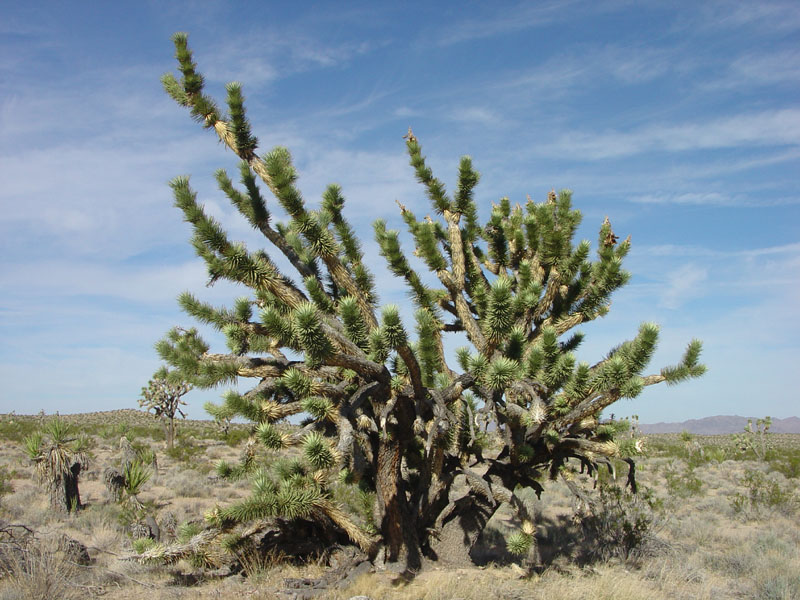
398	525
64	493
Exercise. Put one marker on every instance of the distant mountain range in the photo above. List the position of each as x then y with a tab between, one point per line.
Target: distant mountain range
720	424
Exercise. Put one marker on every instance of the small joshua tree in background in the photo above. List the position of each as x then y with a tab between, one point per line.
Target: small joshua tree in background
755	439
59	457
163	396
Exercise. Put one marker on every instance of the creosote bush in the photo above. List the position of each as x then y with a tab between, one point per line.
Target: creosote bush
622	524
386	410
763	493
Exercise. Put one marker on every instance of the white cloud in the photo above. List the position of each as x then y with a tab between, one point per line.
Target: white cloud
63	278
474	114
757	69
681	285
263	56
700	251
766	128
632	64
703	198
766	16
508	20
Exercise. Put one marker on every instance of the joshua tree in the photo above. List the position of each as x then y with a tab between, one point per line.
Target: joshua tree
387	410
163	396
755	439
59	457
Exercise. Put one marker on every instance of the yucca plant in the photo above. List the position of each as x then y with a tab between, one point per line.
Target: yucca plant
136	475
386	407
59	457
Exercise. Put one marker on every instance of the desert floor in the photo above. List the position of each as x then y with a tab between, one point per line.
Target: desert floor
721	522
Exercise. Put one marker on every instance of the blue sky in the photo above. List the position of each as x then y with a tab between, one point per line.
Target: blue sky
679	121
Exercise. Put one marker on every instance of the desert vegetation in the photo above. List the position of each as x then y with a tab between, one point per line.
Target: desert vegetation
734	535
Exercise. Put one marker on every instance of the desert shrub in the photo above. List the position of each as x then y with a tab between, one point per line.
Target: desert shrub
715	454
786	462
762	493
132	432
622	524
185	450
17	429
5	481
682	483
234	437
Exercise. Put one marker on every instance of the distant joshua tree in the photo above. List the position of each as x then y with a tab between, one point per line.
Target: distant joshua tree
163	396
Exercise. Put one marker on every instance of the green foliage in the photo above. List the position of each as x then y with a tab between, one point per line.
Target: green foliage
234	437
136	475
32	444
187	530
689	366
142	545
58	457
359	500
519	543
763	493
318	452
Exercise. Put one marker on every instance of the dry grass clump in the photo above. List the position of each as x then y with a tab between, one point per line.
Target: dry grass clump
766	564
36	572
190	484
607	582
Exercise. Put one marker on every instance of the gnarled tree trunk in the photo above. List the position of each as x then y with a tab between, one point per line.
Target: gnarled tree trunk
398	525
64	493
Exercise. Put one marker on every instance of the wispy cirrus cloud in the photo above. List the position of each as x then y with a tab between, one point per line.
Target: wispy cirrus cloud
682	285
674	250
511	19
765	16
756	70
714	199
525	15
474	114
262	57
766	128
